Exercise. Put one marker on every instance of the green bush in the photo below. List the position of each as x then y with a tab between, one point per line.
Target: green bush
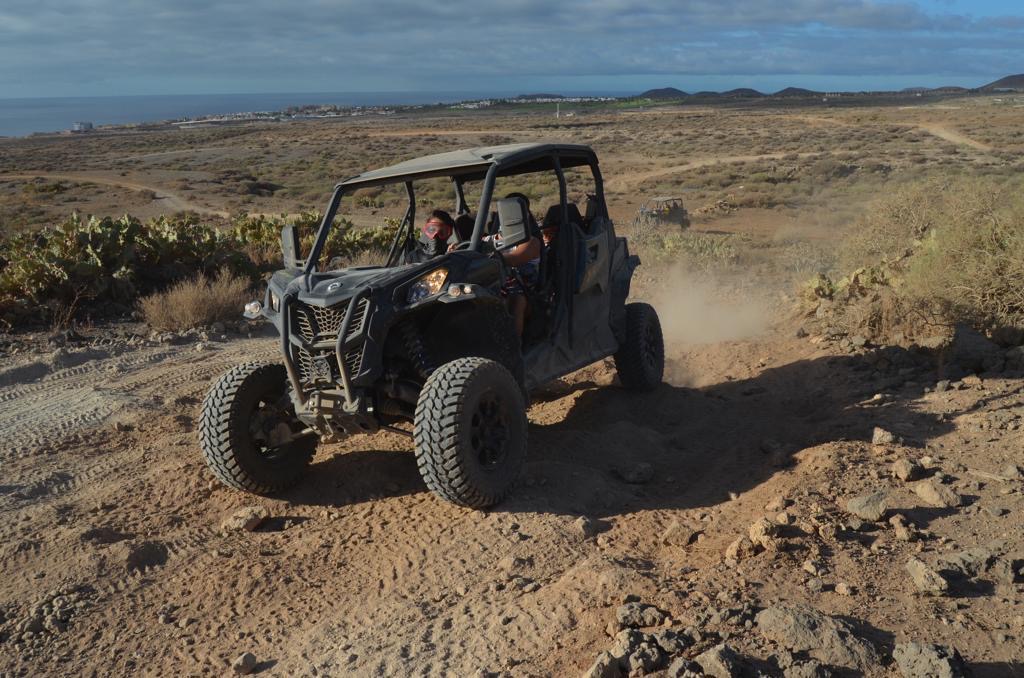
110	263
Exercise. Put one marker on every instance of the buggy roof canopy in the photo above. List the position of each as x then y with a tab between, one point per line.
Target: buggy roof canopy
472	164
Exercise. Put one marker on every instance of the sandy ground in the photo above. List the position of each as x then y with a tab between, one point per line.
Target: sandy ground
113	560
112	519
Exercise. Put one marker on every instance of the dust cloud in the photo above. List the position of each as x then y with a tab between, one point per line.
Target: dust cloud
699	309
702	309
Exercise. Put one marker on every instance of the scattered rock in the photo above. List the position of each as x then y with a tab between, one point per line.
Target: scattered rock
925	579
827	639
721	661
807	669
244	519
605	666
968	563
670	642
514	564
870	507
764	532
639	615
1012	471
625	643
935	493
995	511
925	659
741	549
901	529
644	659
784	518
879	436
244	664
906	470
813	567
684	668
844	589
588	527
678	534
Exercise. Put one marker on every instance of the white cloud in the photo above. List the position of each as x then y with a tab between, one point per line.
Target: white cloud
111	46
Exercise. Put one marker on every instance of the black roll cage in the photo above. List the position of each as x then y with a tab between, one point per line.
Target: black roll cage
548	160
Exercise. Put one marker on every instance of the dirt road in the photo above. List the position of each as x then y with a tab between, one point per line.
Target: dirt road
111	524
171	202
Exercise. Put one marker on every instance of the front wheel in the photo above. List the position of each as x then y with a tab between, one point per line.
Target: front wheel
470	432
248	431
640	360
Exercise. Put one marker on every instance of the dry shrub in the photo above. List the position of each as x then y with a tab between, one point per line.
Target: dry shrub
929	257
970	268
890	228
196	301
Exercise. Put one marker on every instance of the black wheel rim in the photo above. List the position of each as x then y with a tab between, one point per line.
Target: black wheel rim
265	422
489	431
649	346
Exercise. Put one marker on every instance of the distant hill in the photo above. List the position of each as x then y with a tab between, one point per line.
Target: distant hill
1014	82
796	92
742	93
664	93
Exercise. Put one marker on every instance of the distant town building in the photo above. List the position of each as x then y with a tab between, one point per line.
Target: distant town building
81	126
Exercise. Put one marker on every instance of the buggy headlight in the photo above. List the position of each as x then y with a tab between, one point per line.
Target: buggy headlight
252	310
427	286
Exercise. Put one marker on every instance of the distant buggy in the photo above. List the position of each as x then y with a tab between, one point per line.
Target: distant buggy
432	343
658	212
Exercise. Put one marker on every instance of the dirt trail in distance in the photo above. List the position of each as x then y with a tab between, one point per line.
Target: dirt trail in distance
172	201
952	136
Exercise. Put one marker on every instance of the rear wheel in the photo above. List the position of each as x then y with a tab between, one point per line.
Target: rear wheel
640	360
470	432
248	431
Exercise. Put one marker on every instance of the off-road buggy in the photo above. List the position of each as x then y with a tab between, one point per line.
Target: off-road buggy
656	212
432	343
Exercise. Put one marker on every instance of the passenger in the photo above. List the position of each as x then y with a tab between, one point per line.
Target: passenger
434	237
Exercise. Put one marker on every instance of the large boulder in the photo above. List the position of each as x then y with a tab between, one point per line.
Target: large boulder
925	660
721	661
827	639
871	506
926	579
974	352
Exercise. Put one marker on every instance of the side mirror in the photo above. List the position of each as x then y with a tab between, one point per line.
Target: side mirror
513	223
290	246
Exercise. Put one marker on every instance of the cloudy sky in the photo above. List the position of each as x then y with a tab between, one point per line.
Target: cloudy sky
115	47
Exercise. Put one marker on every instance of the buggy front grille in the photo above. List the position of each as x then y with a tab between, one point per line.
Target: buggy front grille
322	366
317	323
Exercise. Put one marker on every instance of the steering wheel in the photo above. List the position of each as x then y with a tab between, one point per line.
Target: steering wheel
464	245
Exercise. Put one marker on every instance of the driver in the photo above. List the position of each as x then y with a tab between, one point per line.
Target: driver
434	235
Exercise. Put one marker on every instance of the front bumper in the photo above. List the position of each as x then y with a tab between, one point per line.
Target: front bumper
324	349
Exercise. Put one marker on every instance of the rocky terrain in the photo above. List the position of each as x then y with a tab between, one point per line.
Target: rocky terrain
794	505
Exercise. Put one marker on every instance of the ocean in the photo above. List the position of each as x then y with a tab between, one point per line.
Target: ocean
21	117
